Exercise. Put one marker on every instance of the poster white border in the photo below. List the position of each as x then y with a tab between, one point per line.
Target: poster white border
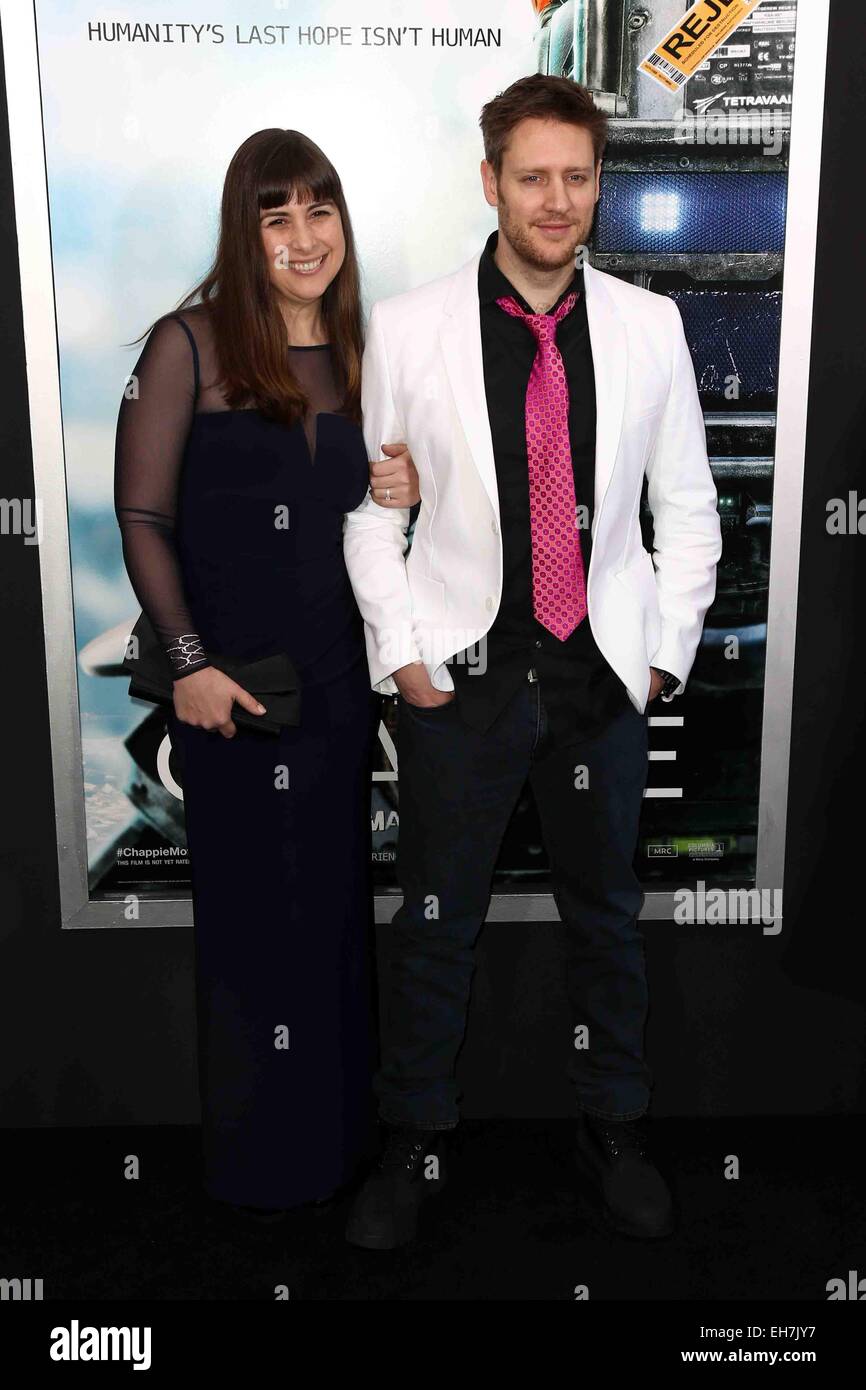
21	60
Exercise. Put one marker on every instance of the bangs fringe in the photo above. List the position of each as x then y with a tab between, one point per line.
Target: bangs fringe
293	171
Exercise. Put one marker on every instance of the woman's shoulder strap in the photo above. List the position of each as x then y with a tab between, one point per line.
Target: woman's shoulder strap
193	344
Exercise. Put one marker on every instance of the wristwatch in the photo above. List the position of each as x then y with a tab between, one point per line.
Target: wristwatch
669	685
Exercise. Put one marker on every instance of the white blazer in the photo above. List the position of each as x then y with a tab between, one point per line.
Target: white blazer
423	382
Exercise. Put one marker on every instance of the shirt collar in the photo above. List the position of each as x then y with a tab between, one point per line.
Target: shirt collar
493	285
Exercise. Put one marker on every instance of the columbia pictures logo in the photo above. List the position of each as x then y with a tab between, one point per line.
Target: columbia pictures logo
706	849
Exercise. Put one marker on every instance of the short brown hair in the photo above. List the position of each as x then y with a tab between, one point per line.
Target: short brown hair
546	99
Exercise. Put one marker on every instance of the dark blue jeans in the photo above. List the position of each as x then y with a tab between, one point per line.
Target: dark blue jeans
458	788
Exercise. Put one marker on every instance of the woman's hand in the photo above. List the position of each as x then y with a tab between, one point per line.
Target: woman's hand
205	698
395	475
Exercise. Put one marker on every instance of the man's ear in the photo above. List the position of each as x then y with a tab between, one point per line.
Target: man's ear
488	183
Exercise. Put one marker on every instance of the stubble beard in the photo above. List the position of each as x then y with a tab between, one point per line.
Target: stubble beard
522	244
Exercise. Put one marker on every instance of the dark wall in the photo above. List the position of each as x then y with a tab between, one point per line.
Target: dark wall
97	1026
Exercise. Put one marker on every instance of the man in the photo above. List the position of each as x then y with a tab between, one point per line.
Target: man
527	630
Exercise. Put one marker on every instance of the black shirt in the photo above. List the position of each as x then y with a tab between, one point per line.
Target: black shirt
580	690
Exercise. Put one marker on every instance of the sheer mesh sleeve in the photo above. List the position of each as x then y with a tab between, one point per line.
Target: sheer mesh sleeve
152	429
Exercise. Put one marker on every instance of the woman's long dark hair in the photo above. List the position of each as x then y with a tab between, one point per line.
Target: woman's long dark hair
268	169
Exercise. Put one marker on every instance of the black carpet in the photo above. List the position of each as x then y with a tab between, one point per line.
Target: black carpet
510	1224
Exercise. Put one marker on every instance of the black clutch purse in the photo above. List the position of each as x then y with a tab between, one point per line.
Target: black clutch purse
273	680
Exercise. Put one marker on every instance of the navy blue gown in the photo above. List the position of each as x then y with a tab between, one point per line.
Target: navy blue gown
232	535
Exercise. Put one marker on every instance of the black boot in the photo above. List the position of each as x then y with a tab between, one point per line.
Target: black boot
612	1156
385	1211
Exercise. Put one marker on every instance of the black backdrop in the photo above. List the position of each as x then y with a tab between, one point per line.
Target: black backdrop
98	1026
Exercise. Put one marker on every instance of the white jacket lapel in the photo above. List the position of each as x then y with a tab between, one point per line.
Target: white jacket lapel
460	338
609	340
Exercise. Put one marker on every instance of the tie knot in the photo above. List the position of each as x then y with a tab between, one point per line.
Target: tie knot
542	325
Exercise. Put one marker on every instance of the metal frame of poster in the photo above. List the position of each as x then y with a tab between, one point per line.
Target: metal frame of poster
533	901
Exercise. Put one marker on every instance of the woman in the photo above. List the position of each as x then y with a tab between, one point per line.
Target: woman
239	451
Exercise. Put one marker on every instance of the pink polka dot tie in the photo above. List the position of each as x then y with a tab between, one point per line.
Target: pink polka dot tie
558	581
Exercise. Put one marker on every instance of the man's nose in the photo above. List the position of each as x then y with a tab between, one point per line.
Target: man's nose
558	199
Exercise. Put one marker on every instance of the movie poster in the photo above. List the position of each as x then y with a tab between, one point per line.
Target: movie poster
143	107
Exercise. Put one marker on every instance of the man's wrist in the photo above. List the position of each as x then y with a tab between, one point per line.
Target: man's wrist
411	676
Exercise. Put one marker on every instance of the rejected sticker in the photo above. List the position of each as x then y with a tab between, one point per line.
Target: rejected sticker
691	42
